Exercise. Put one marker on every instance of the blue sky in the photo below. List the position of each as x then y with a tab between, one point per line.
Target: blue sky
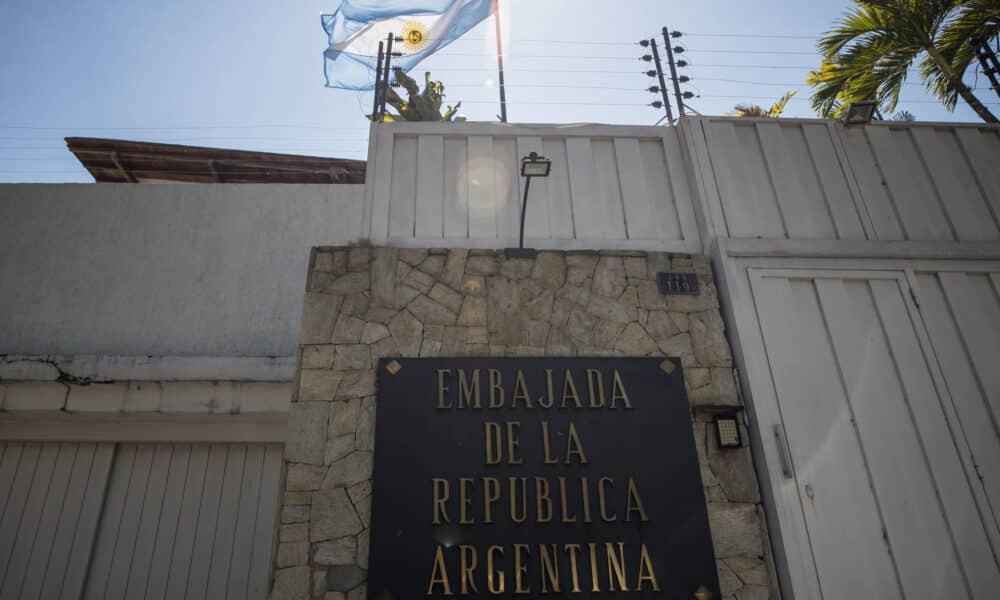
249	74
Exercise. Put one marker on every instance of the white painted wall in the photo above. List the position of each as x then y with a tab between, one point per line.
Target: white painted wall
164	270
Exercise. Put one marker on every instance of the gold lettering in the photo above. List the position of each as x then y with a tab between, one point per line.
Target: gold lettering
440	497
574	446
602	500
572	549
569	391
520	392
439	573
595	583
465	501
618	391
496	389
468	391
494	443
616	566
563	503
520	569
490	497
512	443
546	401
469	562
442	387
550	568
646	566
546	446
494	579
513	499
595	379
543	503
634	503
585	495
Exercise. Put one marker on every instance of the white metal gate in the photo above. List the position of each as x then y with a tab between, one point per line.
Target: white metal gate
878	489
82	520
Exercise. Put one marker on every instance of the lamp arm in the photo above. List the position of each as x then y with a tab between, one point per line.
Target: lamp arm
524	208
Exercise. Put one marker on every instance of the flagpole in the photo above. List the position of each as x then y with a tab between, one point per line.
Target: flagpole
503	91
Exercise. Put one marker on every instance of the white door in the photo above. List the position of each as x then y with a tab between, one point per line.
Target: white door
878	485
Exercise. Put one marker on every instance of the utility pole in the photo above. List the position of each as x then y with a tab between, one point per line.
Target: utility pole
663	84
988	61
386	70
503	89
378	81
673	69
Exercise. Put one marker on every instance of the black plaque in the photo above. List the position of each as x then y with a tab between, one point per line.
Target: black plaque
629	421
673	284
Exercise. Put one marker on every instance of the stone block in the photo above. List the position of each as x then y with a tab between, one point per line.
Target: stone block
735	530
319	314
753	571
473	311
383	348
383	275
753	592
343	417
412	256
318	385
306	441
262	397
635	267
430	311
482	265
351	357
332	516
433	265
516	268
356	384
344	578
373	332
380	314
297	513
454	267
549	270
650	296
634	341
729	582
347	330
354	468
357	258
609	277
342	551
304	478
446	296
323	262
365	435
407	332
293	533
291	584
418	280
96	398
29	369
711	349
349	283
539	308
295	498
334	596
660	326
317	356
611	310
338	448
358	593
41	396
734	469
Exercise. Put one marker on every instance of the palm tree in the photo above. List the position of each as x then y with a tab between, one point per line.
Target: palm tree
870	50
420	106
976	23
753	110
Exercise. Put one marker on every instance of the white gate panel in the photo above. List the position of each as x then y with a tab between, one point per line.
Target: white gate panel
962	314
187	521
887	503
50	501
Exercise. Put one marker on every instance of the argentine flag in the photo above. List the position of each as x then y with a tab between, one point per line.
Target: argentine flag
357	26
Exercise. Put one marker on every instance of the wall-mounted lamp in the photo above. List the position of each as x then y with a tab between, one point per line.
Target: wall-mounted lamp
532	165
727	429
859	113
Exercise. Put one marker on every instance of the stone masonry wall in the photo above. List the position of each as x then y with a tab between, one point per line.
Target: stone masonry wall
364	303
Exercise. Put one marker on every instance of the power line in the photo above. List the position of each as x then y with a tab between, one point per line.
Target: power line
754	35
